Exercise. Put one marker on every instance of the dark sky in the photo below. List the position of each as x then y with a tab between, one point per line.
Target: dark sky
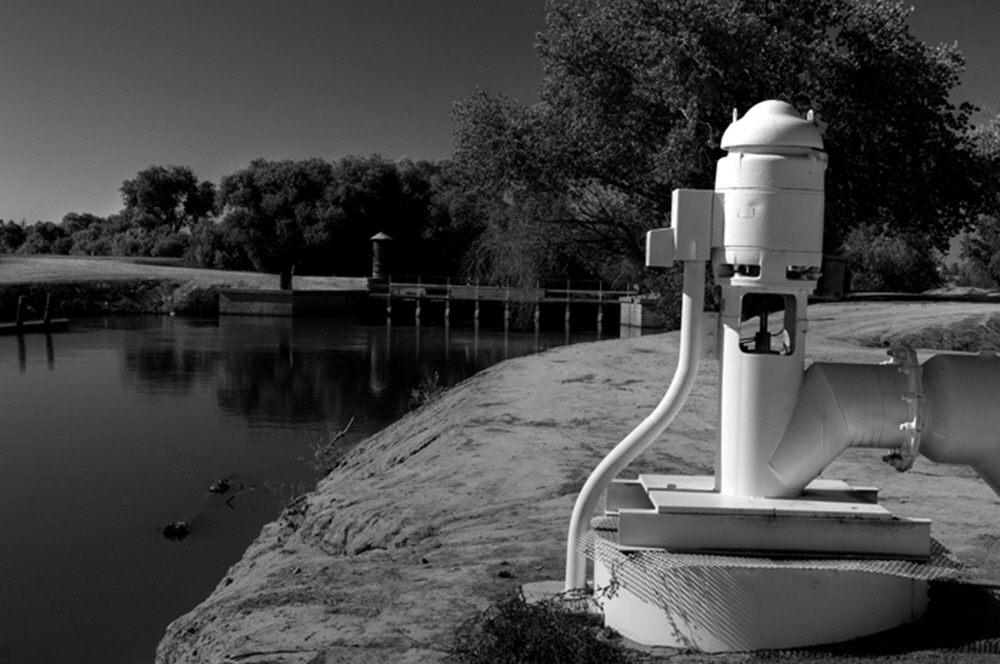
92	91
974	25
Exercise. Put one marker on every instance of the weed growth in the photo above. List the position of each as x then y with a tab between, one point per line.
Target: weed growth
429	390
287	495
512	631
327	453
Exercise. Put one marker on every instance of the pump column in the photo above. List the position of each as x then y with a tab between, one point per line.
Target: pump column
767	262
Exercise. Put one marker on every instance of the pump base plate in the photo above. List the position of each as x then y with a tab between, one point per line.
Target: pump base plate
830	519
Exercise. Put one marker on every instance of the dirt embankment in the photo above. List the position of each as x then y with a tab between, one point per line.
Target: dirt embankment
430	520
85	285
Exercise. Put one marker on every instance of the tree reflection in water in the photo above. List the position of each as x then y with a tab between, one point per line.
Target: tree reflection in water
281	371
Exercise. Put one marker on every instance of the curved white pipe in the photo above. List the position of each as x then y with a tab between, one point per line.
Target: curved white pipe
650	428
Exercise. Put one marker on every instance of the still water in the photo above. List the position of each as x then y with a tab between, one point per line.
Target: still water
117	428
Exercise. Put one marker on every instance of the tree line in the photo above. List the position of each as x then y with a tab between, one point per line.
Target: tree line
312	215
634	100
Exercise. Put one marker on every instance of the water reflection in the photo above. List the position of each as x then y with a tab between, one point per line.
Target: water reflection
22	353
281	371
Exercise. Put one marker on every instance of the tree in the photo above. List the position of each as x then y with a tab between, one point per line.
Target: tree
218	246
74	222
44	237
12	236
980	247
366	198
372	195
168	199
451	222
881	261
637	94
277	210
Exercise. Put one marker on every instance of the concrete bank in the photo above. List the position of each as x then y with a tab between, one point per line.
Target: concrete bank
427	522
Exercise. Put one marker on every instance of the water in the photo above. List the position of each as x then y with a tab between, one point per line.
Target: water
117	428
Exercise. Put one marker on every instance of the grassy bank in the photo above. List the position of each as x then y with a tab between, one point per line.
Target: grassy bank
82	285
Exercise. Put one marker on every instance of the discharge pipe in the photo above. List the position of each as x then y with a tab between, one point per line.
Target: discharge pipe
649	430
961	422
944	410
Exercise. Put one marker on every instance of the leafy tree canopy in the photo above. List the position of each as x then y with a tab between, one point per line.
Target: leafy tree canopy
169	198
636	96
405	199
276	210
980	247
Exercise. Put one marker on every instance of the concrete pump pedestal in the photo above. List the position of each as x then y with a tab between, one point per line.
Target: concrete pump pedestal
727	609
677	564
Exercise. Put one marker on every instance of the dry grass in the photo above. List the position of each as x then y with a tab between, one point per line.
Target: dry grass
38	269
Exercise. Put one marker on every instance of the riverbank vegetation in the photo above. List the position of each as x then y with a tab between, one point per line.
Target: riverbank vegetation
514	630
635	97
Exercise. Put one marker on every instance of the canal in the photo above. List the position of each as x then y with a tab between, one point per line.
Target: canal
119	427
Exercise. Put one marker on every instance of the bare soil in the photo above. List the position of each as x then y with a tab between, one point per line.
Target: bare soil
429	521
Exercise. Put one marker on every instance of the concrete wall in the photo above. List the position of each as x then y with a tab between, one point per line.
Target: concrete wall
328	303
247	302
636	312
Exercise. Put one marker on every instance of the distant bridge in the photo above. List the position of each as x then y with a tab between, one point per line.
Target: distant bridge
419	290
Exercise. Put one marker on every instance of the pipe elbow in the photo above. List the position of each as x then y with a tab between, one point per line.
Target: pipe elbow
839	406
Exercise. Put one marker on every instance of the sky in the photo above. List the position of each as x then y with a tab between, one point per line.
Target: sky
93	92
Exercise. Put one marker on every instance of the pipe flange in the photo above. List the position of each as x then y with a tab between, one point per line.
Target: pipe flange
905	359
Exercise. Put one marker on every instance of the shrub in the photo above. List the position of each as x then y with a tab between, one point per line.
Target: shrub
883	262
512	631
980	255
429	390
327	453
171	246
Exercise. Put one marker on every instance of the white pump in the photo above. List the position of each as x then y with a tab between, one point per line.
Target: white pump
780	425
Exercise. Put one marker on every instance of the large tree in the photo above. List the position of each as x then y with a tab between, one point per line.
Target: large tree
402	199
12	236
167	199
637	94
980	247
278	211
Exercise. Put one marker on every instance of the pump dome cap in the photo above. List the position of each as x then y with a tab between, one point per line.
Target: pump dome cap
772	123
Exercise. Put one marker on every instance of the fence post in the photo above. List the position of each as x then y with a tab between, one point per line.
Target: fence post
388	297
600	306
19	316
447	300
476	314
